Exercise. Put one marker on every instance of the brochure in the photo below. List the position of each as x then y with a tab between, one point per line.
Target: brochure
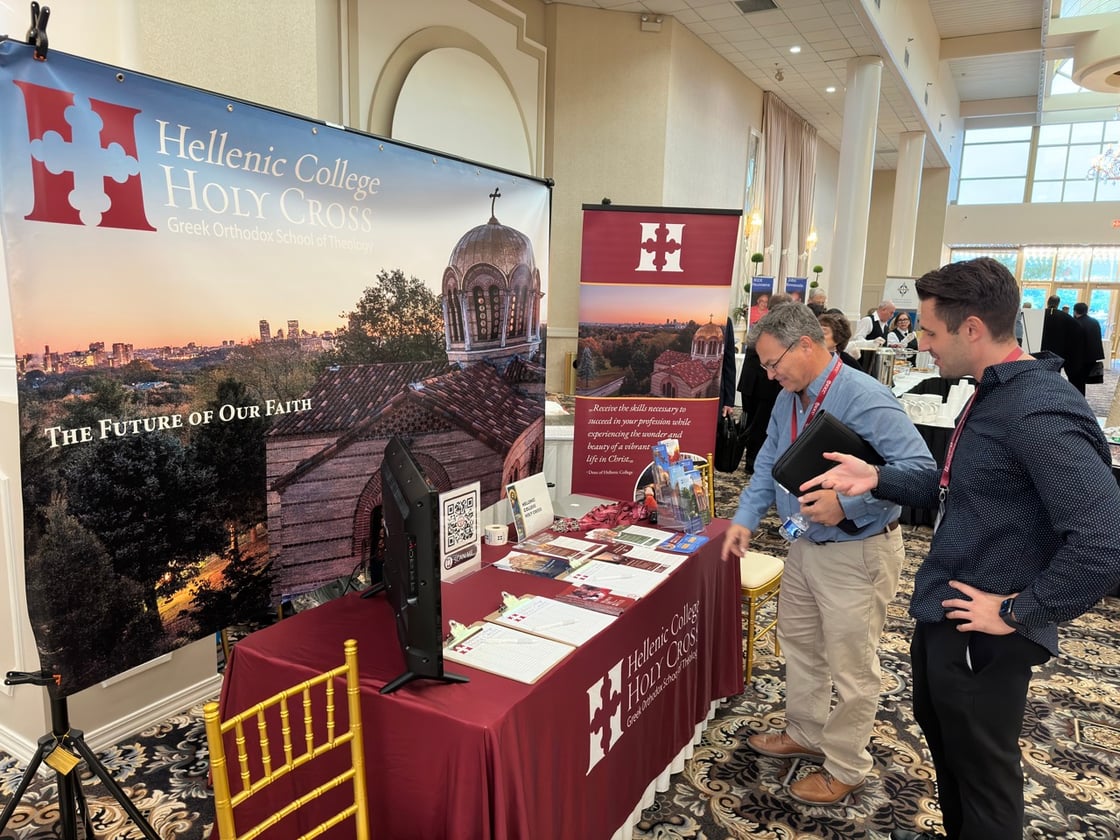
575	551
533	564
683	543
640	535
595	598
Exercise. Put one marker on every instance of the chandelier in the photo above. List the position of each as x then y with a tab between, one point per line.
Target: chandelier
1105	165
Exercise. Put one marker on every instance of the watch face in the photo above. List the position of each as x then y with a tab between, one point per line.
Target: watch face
1006	607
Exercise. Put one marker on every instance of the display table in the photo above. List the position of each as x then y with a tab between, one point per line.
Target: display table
571	756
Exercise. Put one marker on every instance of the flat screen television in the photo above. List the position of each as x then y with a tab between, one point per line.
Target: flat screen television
410	566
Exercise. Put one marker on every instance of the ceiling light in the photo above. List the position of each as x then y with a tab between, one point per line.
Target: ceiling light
1106	165
830	89
779	76
795	49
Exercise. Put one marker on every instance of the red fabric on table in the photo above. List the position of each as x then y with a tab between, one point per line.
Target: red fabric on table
497	759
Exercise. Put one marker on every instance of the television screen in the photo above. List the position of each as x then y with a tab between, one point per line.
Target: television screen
410	570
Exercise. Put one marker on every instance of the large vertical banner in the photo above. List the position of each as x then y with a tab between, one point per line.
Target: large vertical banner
654	291
221	314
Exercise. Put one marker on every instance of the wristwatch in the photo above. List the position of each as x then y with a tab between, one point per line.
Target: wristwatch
1007	613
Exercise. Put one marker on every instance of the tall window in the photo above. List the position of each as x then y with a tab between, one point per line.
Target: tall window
1044	164
994	165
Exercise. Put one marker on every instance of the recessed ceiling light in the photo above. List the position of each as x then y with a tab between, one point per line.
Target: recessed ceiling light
830	89
795	49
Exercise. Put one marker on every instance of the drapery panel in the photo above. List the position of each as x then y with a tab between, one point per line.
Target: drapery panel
791	164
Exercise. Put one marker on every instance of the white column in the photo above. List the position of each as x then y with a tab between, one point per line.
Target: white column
853	189
904	215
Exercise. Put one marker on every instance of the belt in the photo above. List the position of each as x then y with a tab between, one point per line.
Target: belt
890	526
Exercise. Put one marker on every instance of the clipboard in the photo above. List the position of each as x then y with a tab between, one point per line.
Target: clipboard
805	457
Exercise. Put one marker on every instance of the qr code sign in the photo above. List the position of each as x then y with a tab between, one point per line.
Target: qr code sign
460	517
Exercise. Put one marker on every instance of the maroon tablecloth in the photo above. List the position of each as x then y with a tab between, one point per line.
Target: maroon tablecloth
567	757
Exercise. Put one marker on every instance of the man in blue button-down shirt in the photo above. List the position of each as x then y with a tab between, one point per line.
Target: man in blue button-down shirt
842	572
1026	539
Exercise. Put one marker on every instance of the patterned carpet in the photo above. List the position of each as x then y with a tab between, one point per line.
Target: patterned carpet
1071	753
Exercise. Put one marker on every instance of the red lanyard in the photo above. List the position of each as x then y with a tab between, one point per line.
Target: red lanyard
816	403
944	482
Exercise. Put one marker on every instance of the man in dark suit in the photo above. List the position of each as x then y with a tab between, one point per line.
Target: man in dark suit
1094	344
1063	337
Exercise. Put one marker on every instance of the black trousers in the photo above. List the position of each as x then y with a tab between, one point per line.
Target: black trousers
971	718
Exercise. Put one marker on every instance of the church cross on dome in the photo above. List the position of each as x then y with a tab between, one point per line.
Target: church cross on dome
494	196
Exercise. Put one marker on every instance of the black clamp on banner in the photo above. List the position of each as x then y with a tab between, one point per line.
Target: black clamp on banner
37	34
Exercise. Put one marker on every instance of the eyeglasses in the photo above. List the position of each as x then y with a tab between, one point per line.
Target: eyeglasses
773	366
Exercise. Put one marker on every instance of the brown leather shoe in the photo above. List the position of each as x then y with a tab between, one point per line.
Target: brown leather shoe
780	745
820	788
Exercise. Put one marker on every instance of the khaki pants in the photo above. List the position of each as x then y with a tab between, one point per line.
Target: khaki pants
830	616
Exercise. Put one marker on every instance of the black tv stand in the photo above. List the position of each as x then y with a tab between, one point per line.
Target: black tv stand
409	676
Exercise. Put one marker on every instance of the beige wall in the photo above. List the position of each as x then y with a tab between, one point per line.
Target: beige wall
1041	224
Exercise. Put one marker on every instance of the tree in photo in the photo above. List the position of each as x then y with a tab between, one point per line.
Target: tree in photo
150	505
269	370
234	454
89	621
587	366
397	320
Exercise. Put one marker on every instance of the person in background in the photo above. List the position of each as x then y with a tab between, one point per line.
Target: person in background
1062	337
1021	323
871	334
1023	542
727	374
760	307
820	297
842	570
757	394
1094	344
901	333
837	331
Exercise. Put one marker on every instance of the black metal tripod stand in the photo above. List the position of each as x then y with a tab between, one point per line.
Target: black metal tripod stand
57	748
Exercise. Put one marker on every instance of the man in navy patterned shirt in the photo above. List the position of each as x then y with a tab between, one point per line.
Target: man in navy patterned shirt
1025	539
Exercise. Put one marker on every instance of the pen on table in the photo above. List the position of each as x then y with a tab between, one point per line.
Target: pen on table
566	623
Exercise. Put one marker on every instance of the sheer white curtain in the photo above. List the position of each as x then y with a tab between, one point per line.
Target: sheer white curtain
791	166
806	192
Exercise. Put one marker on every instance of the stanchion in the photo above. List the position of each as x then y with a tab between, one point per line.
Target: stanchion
57	748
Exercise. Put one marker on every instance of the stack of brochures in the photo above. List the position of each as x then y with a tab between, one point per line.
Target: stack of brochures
678	488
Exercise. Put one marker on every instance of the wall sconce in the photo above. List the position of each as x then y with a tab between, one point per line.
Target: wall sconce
811	240
754	222
651	23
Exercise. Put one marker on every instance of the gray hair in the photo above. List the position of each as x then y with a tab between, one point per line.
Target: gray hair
787	324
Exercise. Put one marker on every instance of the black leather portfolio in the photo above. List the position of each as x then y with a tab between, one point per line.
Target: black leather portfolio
805	457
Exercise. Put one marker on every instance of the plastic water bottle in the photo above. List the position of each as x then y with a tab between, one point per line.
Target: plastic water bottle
794	527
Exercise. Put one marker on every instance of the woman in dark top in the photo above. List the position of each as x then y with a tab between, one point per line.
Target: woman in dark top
837	333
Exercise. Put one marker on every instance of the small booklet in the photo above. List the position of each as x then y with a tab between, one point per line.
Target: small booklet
624	580
504	651
683	543
641	558
550	618
640	535
595	598
533	564
575	551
